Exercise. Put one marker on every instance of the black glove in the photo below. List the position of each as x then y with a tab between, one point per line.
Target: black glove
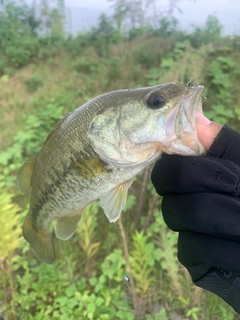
201	200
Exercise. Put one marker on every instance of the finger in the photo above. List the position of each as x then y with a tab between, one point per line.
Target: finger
212	214
226	145
179	174
196	249
207	133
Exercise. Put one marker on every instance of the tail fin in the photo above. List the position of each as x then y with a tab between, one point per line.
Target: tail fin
67	225
40	240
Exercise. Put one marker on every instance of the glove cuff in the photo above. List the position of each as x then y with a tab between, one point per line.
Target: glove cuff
225	284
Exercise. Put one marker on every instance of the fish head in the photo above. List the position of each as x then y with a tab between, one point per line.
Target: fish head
142	123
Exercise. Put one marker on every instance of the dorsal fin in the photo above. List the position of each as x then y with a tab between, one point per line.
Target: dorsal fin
24	176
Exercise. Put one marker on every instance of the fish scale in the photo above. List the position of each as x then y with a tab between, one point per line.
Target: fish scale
95	151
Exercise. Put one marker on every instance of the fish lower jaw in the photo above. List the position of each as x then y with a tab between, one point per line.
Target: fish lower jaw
188	148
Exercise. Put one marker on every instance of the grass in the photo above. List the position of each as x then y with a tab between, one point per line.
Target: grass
16	101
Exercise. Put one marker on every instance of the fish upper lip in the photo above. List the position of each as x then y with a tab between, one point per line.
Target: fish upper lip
195	96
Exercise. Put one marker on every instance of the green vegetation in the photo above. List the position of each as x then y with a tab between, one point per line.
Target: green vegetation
43	75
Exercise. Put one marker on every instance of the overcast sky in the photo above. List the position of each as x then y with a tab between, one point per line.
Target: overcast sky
83	14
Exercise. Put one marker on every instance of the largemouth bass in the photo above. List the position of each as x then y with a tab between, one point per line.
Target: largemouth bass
95	151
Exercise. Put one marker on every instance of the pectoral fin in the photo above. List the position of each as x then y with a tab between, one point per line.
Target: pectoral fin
113	202
24	176
67	225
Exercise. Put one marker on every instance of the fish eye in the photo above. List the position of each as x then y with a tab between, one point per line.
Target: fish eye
156	102
192	84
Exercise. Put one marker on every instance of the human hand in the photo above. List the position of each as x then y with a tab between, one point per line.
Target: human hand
207	130
201	200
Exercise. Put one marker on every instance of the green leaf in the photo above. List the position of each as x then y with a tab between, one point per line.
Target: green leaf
93	281
91	308
72	302
70	291
62	300
99	301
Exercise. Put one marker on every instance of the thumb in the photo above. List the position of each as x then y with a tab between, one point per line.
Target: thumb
207	131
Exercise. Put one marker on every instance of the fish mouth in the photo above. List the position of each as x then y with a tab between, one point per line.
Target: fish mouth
181	122
191	104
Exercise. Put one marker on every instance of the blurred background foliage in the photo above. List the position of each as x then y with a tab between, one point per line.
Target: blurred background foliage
44	73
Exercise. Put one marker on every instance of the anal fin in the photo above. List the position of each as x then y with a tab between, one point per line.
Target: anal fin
114	201
40	241
67	225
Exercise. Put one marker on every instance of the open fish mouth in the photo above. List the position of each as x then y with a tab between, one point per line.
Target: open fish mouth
181	122
193	103
183	116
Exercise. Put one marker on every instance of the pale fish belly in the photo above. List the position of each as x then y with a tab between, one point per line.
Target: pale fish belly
75	194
